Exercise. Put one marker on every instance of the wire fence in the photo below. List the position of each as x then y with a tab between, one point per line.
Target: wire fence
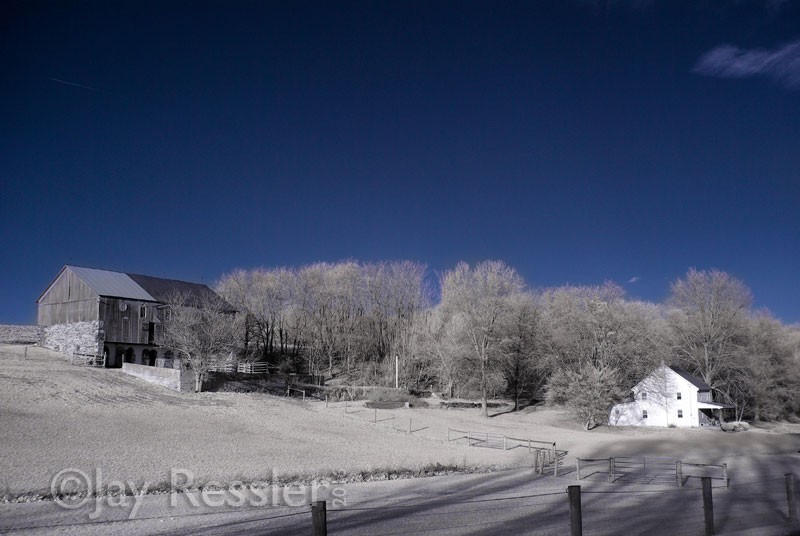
578	511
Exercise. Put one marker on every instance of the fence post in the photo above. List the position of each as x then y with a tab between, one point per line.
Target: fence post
578	469
610	470
409	429
708	506
326	401
555	461
790	496
319	519
575	521
345	406
725	473
504	443
304	395
679	473
375	418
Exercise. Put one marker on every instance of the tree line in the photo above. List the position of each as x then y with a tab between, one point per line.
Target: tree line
483	332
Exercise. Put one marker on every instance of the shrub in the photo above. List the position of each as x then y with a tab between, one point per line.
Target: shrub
735	426
384	394
586	392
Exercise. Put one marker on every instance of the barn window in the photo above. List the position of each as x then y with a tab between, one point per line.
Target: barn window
680	414
143	311
644	414
644	395
679	396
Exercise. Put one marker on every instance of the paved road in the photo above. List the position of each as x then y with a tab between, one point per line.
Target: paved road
511	502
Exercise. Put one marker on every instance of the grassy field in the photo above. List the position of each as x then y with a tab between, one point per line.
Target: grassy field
56	416
18	334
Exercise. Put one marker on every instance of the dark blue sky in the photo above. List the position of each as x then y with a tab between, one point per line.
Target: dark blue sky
578	141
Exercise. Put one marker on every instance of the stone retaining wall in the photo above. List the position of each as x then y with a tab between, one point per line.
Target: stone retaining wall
175	379
80	337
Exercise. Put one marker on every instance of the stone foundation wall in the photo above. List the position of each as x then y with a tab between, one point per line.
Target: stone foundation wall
175	379
80	337
11	334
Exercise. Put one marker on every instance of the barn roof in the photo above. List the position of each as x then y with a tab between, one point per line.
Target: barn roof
113	284
694	380
163	289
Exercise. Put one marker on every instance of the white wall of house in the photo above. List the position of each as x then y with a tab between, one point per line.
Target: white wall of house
664	398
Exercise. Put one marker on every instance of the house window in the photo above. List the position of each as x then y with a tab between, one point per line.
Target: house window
142	311
644	395
680	414
644	414
616	412
679	396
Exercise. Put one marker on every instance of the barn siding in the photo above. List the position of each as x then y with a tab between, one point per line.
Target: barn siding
68	300
127	326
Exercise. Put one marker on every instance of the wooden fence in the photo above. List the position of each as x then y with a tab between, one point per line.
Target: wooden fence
252	368
91	360
706	470
223	367
244	368
545	452
648	470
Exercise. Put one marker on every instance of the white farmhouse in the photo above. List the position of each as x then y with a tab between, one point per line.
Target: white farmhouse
669	396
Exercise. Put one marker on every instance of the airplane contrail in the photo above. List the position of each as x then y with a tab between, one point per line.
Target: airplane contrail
90	88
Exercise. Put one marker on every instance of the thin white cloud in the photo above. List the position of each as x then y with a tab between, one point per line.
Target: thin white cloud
776	5
727	61
90	88
634	279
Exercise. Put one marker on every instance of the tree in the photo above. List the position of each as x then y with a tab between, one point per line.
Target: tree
440	345
520	348
480	298
764	381
587	392
708	322
596	325
201	330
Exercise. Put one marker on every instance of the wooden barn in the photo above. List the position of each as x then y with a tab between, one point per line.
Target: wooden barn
114	314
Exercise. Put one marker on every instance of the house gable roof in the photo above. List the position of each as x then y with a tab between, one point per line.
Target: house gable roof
694	380
647	382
